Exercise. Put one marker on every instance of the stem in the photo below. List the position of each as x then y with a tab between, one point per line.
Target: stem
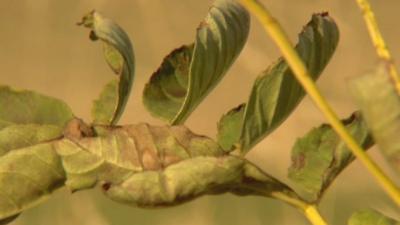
378	41
296	64
309	211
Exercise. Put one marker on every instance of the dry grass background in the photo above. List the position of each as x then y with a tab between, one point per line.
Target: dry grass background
42	49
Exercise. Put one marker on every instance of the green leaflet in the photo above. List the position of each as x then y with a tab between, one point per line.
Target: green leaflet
27	177
28	107
229	127
371	217
276	93
187	76
321	155
118	52
380	104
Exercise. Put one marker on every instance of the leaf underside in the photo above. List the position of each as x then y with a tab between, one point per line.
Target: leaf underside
118	53
380	104
276	92
320	156
190	73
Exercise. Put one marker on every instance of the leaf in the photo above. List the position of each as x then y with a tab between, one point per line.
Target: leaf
229	128
276	93
371	217
320	156
165	93
19	136
186	76
141	165
118	52
27	177
27	107
380	105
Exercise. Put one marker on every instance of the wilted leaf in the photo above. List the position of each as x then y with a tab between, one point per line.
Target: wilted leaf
276	93
118	52
187	76
380	105
371	217
141	165
321	155
28	107
229	128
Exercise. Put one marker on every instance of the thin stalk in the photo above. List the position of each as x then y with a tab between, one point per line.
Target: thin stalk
302	75
378	41
309	211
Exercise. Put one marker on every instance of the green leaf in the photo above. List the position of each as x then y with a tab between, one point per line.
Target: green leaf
380	104
118	52
276	93
319	156
371	217
27	107
229	128
187	76
27	177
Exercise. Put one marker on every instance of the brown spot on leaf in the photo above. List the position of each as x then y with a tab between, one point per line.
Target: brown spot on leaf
298	162
77	129
106	186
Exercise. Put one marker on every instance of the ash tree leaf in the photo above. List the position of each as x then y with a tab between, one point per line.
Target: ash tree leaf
380	104
188	74
140	165
118	52
28	118
319	156
276	92
229	128
152	166
371	217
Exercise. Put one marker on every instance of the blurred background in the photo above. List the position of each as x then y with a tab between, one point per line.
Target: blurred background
42	49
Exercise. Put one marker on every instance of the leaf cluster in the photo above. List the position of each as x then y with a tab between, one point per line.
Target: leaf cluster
45	146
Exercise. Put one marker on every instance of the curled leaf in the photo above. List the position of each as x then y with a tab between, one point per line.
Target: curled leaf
380	104
187	75
118	52
276	93
319	156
